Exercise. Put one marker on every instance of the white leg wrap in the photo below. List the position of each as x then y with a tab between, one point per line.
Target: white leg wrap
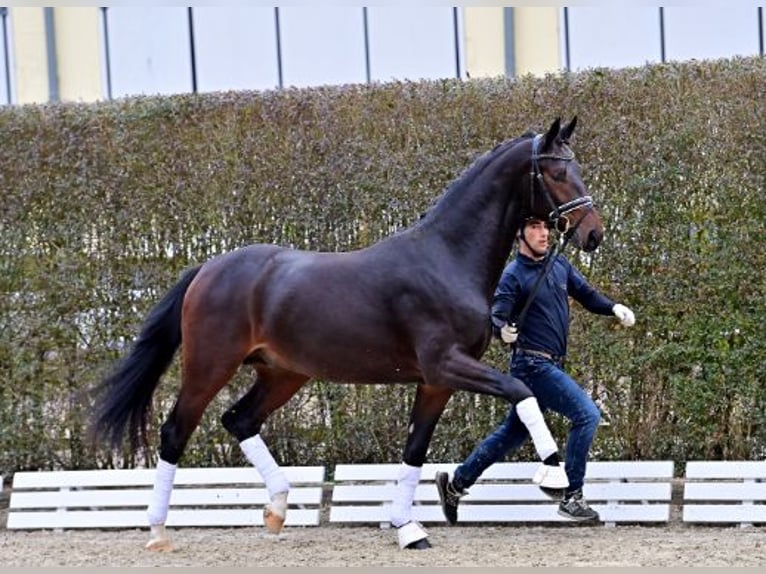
409	533
163	486
276	482
401	506
553	477
259	456
530	414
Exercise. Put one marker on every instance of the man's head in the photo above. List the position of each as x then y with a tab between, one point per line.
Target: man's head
533	238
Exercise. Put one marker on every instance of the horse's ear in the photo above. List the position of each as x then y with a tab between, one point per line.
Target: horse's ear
566	131
552	134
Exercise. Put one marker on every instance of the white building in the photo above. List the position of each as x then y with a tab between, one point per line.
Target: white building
92	53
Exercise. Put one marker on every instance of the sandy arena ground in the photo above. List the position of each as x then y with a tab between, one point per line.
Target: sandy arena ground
673	545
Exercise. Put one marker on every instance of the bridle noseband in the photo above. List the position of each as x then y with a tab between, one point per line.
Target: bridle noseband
559	212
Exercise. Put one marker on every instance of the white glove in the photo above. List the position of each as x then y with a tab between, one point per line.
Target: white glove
625	315
509	333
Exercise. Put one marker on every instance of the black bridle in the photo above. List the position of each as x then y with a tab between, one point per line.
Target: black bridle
558	214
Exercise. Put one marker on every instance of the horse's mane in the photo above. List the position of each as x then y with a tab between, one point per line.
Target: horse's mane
473	171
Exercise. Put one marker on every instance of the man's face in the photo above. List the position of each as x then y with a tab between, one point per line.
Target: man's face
537	235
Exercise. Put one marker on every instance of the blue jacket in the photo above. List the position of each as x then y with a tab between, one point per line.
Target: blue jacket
546	326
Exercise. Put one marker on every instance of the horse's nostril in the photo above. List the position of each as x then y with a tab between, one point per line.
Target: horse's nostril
594	239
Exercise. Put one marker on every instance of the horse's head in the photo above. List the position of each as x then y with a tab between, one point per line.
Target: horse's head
558	193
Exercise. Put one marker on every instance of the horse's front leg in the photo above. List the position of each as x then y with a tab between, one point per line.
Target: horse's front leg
429	405
460	371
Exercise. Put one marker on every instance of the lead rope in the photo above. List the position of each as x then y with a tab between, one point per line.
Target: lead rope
548	262
554	253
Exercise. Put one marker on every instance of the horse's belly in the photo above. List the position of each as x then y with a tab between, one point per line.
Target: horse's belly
359	370
346	365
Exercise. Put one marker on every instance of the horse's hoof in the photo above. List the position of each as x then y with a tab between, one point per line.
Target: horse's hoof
556	494
159	545
159	541
412	535
272	520
421	544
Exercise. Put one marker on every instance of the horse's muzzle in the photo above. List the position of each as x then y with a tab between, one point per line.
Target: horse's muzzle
593	240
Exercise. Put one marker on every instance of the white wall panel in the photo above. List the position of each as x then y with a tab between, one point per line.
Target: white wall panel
709	32
239	47
5	41
3	82
412	43
322	45
3	76
235	48
149	50
613	36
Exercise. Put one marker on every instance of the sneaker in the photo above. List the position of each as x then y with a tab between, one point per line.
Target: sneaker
449	497
574	506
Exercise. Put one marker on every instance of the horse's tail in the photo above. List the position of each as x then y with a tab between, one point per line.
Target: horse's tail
124	398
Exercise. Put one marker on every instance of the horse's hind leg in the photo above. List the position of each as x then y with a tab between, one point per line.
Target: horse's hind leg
272	389
429	404
204	374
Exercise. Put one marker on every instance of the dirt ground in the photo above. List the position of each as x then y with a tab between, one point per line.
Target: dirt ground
576	545
673	544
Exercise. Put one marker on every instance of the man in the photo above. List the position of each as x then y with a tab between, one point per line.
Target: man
538	359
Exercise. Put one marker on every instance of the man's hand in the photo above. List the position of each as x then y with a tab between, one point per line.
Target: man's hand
509	333
625	315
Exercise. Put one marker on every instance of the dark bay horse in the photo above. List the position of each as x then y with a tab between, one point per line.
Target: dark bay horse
412	308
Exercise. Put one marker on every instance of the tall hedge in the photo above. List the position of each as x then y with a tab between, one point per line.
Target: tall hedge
103	205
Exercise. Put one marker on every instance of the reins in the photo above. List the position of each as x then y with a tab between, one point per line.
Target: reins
555	216
547	263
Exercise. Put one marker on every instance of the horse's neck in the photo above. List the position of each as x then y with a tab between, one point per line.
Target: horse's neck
478	226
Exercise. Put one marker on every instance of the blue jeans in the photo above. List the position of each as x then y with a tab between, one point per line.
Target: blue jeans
554	390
